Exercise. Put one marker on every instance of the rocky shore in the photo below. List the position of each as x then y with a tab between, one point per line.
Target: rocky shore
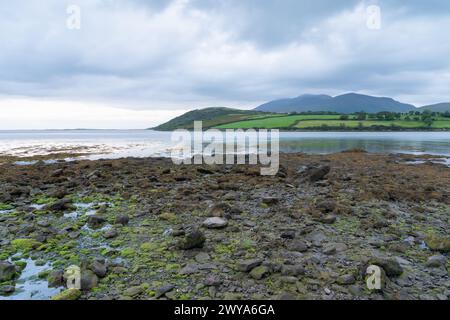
148	229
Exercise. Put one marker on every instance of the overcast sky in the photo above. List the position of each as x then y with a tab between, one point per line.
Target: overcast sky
136	63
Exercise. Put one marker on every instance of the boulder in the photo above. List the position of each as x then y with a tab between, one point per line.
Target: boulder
247	265
193	239
7	271
69	294
215	223
260	272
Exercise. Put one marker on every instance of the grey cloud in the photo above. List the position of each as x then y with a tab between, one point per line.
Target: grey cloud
150	53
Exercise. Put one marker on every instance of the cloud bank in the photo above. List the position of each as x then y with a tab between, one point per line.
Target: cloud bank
176	55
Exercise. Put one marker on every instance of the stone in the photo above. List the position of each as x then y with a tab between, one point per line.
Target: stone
288	234
215	223
202	257
55	279
326	206
436	261
390	266
270	200
193	239
328	219
213	281
329	249
259	272
319	173
292	270
163	290
297	245
122	219
248	265
438	243
133	291
346	279
109	234
88	280
69	294
7	271
7	289
99	268
60	205
95	221
189	269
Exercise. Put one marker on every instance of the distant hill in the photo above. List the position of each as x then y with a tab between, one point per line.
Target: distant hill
346	103
209	116
439	107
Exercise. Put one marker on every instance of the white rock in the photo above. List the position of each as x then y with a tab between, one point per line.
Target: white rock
215	223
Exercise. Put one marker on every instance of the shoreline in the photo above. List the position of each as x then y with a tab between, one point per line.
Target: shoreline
307	233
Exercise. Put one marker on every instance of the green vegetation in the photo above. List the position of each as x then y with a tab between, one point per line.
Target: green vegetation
224	118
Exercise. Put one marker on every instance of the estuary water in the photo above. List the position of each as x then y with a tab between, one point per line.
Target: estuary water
96	144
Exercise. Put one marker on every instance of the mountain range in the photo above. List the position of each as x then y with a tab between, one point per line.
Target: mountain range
346	103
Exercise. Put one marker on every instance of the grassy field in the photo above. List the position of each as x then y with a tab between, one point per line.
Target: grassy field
275	121
305	122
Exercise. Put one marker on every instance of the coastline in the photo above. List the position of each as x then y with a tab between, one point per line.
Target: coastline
130	225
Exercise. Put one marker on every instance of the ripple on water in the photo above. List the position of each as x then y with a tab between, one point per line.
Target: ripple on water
29	286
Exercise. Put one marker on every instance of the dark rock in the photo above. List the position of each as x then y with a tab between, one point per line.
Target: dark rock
260	272
99	268
109	234
288	234
326	206
316	174
122	219
193	239
292	270
95	221
297	245
390	266
88	280
436	261
55	279
7	271
163	290
60	205
204	171
346	279
328	219
270	200
7	289
247	265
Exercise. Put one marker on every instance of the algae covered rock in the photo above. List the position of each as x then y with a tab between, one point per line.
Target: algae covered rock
69	294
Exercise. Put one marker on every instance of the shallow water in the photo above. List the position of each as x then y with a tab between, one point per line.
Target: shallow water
147	143
29	286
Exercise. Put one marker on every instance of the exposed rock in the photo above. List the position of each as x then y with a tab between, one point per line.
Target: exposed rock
99	268
7	271
390	266
88	280
248	265
270	200
122	219
193	239
438	243
95	221
69	294
60	205
297	245
109	234
133	291
55	279
328	219
259	272
316	174
436	261
292	270
7	289
346	279
163	290
215	223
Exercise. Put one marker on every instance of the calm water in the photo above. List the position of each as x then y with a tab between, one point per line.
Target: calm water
141	143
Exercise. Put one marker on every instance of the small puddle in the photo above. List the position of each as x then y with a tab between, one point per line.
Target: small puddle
29	286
